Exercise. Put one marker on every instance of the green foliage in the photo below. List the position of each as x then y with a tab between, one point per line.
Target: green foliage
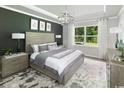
122	51
79	39
91	34
92	30
6	51
79	31
91	39
121	47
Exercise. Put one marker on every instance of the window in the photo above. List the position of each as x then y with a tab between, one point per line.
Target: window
79	35
86	35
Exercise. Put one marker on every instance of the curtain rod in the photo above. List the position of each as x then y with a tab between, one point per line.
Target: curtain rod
94	19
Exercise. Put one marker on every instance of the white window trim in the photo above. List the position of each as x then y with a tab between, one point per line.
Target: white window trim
85	43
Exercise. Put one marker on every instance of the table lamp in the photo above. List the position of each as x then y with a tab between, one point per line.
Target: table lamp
18	36
116	30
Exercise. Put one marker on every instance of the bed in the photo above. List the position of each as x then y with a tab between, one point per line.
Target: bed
58	63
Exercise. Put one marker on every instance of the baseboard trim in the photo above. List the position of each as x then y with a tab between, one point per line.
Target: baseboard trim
94	57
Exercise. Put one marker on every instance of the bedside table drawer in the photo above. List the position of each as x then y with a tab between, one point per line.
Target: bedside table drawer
15	61
10	69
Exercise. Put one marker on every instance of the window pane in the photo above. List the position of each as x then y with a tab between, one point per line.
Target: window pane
79	31
92	30
91	39
79	39
91	35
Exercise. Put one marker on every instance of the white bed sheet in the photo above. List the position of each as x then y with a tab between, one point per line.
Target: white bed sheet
60	64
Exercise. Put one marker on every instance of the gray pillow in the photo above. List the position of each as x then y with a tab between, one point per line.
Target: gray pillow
43	48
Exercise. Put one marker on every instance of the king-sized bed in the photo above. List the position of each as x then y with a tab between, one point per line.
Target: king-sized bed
58	63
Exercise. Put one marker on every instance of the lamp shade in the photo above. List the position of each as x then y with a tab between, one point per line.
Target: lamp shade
58	36
115	30
18	36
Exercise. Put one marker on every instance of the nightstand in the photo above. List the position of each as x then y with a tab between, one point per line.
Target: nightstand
116	69
13	63
116	74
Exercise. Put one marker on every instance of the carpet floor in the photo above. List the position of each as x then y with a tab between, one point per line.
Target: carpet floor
91	74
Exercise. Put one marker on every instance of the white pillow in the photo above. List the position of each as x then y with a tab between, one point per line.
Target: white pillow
42	44
52	46
35	48
52	43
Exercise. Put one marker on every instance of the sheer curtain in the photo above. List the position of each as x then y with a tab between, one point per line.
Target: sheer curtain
68	35
102	37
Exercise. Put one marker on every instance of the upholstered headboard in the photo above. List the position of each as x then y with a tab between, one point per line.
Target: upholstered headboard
37	38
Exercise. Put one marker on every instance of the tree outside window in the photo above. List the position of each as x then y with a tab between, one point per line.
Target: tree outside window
86	35
79	35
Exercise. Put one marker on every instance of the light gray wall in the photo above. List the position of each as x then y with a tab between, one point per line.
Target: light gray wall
65	35
68	35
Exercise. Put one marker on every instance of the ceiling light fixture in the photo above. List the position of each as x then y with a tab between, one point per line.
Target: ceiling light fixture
65	18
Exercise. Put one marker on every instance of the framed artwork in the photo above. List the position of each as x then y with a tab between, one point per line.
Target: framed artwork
48	26
34	24
42	25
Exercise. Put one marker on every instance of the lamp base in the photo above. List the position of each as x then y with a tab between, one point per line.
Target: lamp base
18	50
18	45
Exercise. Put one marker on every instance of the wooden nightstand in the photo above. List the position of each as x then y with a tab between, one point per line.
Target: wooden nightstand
13	63
116	74
116	69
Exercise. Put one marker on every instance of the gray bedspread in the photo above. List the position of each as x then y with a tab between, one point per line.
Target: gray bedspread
41	58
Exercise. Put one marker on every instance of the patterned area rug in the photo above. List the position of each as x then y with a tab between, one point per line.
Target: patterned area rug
91	74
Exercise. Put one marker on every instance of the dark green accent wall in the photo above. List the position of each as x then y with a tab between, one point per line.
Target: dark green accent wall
11	22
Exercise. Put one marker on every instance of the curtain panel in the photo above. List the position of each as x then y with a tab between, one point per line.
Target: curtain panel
102	37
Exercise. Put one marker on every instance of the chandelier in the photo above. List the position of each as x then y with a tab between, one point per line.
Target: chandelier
65	18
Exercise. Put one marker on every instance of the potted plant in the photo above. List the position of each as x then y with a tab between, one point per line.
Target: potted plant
7	51
122	51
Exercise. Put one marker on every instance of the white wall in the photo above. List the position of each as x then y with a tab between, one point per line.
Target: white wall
68	38
112	37
87	50
121	23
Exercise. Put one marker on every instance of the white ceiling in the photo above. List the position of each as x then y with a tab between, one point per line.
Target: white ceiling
83	11
51	12
113	10
75	10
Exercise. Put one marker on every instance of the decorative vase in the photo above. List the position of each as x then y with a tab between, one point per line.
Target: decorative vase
117	42
121	47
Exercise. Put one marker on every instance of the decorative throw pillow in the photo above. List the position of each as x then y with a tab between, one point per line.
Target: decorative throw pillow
43	48
36	48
